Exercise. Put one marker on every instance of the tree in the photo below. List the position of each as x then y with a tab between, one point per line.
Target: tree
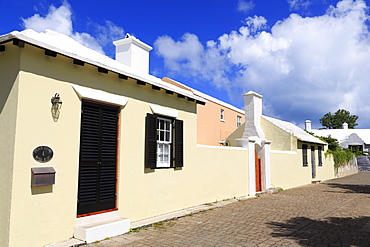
333	144
336	120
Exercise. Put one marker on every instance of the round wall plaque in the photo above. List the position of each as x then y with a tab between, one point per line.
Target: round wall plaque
42	154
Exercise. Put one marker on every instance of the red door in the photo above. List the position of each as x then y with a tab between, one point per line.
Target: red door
258	172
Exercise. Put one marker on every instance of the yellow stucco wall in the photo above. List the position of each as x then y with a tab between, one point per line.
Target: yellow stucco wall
46	207
287	168
47	214
209	174
280	139
9	64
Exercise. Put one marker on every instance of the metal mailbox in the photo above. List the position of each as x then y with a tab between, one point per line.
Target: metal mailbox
43	176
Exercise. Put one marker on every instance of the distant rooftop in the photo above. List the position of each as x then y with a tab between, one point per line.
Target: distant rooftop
295	130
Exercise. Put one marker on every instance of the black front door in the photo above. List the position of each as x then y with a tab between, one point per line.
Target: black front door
97	168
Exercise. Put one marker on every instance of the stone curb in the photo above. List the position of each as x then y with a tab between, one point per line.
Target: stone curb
164	217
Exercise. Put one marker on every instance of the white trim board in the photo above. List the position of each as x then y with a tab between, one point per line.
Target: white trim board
99	95
164	111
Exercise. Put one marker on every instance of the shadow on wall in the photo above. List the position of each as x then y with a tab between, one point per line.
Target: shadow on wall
332	231
5	89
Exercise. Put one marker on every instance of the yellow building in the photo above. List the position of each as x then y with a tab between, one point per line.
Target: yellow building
89	144
285	155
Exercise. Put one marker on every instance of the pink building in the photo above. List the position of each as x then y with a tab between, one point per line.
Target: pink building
216	120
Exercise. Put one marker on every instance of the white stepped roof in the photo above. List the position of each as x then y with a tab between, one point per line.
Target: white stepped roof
67	46
295	130
343	134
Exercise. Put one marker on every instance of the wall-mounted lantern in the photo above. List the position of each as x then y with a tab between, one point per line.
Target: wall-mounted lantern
56	101
56	105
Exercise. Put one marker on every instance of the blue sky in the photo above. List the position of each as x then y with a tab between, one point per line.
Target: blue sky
306	57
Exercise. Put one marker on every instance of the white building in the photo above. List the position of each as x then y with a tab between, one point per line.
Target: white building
347	138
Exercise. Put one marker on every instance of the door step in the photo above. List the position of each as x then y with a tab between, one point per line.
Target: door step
101	226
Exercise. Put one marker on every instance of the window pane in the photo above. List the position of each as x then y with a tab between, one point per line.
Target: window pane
167	136
160	158
165	149
159	148
162	124
167	125
165	159
164	129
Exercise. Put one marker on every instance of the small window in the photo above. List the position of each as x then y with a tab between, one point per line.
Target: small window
238	121
164	127
355	148
222	115
304	155
164	142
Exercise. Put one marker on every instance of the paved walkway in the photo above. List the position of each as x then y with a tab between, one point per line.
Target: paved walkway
334	213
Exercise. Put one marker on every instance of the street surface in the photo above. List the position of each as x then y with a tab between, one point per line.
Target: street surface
334	213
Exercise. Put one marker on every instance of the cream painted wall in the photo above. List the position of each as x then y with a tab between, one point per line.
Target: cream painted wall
287	170
326	171
9	64
280	139
47	207
47	214
209	174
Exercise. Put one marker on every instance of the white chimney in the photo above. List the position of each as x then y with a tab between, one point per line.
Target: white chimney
133	52
253	114
307	125
345	126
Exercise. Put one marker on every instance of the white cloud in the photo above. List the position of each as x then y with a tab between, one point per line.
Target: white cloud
245	6
305	67
108	33
299	4
60	20
57	19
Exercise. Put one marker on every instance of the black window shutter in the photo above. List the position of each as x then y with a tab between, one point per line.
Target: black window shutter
304	153
109	120
89	156
151	141
179	146
320	155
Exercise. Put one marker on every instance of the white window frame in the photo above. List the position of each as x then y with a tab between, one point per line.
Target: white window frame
238	121
222	115
164	142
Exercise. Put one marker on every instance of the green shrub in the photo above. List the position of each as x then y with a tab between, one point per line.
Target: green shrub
341	157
